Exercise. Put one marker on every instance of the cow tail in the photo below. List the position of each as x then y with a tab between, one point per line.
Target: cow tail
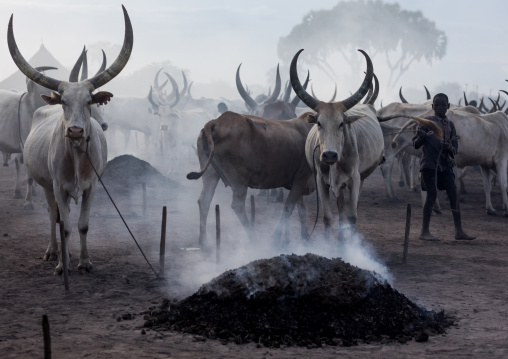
207	131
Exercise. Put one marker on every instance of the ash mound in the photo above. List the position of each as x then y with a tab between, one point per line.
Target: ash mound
130	171
299	300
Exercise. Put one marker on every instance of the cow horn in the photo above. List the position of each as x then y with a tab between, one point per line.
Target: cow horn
364	88
84	68
151	99
156	80
373	98
465	99
45	68
185	85
402	97
334	94
73	77
188	90
494	107
312	91
460	101
498	97
276	90
120	62
287	92
175	89
25	67
369	94
103	65
428	93
297	86
253	105
296	100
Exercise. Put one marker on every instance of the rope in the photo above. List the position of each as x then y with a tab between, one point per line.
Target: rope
19	121
114	204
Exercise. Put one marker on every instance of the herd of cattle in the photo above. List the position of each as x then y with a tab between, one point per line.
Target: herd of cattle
56	128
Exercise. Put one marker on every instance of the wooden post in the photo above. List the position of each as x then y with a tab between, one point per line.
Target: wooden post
143	186
47	337
217	232
163	243
252	211
406	234
64	256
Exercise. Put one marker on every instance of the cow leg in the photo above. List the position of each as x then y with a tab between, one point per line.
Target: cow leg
210	179
6	157
28	197
324	197
353	200
86	203
238	206
294	197
386	171
280	196
17	190
52	250
503	183
462	186
400	162
302	214
406	167
63	202
487	188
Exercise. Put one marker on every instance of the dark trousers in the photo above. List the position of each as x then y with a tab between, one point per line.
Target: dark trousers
445	181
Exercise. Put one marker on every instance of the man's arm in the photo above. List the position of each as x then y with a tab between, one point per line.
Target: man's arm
421	135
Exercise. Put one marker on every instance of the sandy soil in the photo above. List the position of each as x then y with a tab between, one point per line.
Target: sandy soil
101	316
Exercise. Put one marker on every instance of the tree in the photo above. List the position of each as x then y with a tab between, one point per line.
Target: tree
376	27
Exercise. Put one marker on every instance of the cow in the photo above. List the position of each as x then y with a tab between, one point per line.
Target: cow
66	151
345	145
246	151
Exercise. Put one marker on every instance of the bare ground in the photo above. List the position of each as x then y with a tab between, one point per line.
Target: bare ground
100	317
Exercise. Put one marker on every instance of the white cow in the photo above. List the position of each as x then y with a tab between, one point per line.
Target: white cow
65	146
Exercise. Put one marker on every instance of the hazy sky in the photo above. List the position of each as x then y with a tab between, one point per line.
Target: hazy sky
210	38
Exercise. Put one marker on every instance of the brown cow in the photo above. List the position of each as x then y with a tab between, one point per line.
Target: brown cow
254	152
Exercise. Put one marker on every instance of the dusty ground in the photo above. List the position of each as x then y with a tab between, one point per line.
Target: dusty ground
467	280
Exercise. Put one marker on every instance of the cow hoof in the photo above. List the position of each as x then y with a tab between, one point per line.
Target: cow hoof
28	206
17	194
491	212
402	183
88	268
59	270
50	256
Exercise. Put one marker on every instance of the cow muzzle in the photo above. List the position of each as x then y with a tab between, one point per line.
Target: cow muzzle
329	157
75	132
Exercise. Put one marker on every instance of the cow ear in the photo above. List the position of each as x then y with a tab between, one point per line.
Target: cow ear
102	97
54	99
350	119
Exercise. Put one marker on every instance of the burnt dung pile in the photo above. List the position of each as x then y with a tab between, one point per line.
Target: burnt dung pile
130	171
298	300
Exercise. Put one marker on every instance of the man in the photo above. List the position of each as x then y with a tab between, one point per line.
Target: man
436	166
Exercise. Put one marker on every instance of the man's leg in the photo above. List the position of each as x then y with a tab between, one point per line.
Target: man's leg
428	177
451	191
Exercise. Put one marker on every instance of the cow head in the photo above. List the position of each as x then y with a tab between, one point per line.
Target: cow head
332	120
76	98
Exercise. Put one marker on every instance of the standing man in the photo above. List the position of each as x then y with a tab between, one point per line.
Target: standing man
436	166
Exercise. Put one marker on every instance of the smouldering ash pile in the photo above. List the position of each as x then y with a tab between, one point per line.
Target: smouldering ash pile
298	300
130	171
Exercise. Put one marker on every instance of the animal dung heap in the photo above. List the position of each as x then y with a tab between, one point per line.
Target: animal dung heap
130	171
299	300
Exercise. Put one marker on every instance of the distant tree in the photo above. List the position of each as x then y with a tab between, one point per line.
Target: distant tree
376	27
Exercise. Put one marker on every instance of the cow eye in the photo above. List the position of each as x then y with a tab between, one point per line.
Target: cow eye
319	124
341	124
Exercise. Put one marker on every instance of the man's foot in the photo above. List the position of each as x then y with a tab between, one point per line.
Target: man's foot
463	236
428	237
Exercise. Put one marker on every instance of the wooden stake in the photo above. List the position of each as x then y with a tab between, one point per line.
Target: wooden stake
143	186
47	337
252	211
163	243
406	234
217	232
64	256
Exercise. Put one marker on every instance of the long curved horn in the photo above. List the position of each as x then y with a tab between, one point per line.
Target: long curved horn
334	94
84	68
45	68
185	85
373	98
465	99
120	62
73	77
249	101
296	99
312	91
287	92
369	94
175	87
156	80
188	90
103	65
402	99
482	106
460	101
362	91
25	67
498	97
301	93
276	90
494	107
428	93
151	99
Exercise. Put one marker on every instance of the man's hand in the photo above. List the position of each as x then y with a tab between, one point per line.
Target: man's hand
422	133
447	146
